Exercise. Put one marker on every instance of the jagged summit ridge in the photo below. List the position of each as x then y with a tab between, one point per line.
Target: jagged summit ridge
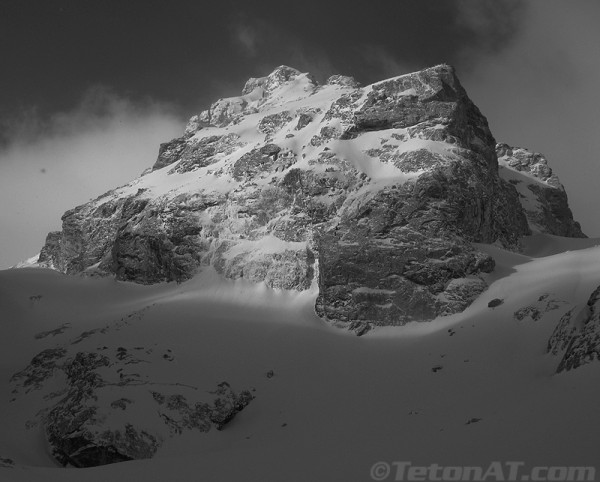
280	76
374	194
255	93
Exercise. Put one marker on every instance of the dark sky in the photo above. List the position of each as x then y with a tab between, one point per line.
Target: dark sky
189	52
88	89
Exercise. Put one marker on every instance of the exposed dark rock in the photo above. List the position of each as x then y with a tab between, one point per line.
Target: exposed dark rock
392	260
399	277
206	151
538	309
555	215
40	368
196	154
527	311
86	237
360	328
161	244
196	123
57	331
6	462
50	253
433	93
121	403
274	122
566	329
282	75
343	80
529	171
418	160
458	294
303	120
256	161
495	302
228	404
577	336
169	152
90	450
149	257
84	429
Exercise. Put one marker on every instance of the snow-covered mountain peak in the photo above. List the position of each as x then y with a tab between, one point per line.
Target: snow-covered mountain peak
281	86
373	193
276	79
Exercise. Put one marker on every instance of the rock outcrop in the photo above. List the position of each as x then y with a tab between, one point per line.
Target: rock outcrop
373	193
101	409
576	338
542	195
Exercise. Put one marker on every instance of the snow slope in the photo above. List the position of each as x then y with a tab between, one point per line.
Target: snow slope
336	403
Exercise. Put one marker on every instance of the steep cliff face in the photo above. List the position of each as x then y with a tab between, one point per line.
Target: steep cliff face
374	193
542	195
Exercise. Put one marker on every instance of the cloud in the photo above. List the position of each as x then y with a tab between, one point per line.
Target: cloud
316	63
49	165
490	24
384	64
541	92
246	37
268	45
249	34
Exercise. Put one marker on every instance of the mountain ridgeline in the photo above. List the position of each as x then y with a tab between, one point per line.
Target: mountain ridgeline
373	194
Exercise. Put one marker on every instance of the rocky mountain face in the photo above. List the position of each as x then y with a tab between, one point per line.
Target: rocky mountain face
542	195
374	194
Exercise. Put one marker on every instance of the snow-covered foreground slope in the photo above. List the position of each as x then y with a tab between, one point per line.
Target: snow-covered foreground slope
335	403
